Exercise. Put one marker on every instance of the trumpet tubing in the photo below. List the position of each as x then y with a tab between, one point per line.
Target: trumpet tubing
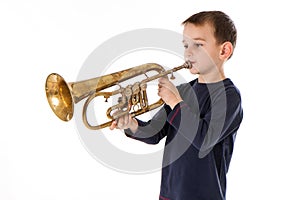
62	96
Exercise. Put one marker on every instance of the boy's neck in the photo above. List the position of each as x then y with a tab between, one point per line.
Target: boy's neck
201	79
215	76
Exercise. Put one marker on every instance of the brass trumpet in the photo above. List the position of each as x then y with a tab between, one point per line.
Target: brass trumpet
62	96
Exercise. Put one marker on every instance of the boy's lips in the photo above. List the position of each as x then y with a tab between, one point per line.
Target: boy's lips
192	62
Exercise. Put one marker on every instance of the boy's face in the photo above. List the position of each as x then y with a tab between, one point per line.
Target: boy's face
201	48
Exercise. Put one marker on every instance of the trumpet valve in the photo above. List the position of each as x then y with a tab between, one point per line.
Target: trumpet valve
172	76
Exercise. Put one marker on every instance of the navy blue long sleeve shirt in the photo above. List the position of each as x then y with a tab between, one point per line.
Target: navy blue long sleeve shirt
200	133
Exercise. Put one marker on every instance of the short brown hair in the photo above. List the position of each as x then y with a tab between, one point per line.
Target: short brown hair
224	28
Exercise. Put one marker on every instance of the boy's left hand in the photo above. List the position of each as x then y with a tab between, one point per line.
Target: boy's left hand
168	92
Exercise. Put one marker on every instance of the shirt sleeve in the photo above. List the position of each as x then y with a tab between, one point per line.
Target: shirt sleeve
152	131
205	131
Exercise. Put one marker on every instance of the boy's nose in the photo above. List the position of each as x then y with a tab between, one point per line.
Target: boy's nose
188	53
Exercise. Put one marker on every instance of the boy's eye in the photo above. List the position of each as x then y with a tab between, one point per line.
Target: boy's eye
198	44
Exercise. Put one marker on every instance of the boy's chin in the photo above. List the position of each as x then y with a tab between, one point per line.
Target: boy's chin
194	71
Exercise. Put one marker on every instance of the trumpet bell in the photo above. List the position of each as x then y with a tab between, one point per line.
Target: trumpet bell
59	97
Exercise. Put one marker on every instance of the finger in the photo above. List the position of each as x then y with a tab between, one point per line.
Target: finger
163	83
113	125
162	80
161	92
120	122
126	119
168	85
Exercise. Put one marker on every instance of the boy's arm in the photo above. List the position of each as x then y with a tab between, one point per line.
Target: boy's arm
154	130
204	132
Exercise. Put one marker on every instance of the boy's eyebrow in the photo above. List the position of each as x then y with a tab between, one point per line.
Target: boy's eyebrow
197	38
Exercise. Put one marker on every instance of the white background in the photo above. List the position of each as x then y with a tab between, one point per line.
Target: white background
42	158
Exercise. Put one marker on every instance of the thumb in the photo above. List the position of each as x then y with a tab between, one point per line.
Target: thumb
113	125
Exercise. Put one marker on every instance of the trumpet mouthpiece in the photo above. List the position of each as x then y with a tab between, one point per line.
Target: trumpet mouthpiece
188	64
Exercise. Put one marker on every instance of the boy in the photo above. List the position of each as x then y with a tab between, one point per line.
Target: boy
200	119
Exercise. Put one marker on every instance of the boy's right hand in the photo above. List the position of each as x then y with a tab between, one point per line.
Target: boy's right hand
125	122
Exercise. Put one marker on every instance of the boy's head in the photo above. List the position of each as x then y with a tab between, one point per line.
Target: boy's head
209	39
224	28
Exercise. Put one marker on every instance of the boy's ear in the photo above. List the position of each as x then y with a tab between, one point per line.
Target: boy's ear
226	50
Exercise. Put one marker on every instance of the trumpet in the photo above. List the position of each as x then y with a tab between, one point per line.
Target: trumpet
62	96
